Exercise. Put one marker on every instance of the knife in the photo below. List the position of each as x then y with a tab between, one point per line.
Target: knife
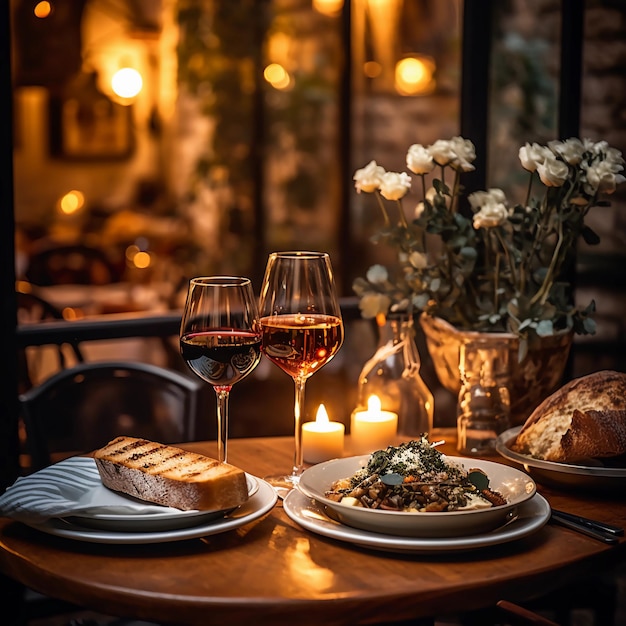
592	523
585	529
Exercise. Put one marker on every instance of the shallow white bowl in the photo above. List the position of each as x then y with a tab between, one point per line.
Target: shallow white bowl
515	485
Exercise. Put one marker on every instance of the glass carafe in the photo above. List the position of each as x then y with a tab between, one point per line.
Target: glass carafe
483	410
393	374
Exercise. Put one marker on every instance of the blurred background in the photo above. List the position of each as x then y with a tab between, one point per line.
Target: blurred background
155	140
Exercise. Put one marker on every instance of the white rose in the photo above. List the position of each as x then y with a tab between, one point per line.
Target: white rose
479	199
571	150
490	216
419	210
532	155
553	173
369	177
377	274
465	154
442	152
394	185
371	304
614	157
419	160
603	177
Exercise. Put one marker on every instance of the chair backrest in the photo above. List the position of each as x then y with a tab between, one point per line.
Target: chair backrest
72	264
81	408
33	308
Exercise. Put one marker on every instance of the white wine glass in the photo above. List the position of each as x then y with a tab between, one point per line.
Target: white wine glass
302	330
220	338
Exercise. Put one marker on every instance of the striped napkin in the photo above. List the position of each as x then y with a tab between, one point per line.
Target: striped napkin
70	487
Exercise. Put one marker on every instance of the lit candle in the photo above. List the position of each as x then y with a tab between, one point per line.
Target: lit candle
372	429
322	439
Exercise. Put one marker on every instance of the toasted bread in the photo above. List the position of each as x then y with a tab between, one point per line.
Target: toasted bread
170	476
584	418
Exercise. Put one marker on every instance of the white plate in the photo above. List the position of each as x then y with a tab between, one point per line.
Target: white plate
516	486
256	507
311	515
167	518
589	474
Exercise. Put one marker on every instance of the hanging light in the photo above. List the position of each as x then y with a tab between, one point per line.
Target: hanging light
332	8
414	75
126	82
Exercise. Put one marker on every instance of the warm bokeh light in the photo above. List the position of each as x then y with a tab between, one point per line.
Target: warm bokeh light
331	8
276	75
69	313
372	69
127	82
72	202
131	251
414	75
23	286
42	9
142	260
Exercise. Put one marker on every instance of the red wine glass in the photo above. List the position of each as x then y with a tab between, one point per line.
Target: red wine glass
302	329
220	338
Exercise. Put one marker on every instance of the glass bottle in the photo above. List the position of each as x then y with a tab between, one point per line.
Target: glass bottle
483	409
393	374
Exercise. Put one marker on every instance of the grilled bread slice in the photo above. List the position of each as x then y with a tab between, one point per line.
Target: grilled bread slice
585	418
166	475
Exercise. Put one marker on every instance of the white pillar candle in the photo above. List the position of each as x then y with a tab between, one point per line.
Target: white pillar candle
322	439
372	429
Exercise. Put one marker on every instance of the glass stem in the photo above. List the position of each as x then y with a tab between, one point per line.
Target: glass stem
298	410
223	394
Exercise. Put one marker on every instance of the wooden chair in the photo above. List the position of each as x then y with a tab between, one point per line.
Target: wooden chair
72	264
83	407
33	308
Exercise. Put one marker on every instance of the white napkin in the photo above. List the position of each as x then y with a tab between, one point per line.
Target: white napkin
70	487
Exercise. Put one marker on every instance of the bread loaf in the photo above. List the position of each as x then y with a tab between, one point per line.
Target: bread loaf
170	476
584	418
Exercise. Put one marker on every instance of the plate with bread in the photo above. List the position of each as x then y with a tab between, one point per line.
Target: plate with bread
575	437
137	491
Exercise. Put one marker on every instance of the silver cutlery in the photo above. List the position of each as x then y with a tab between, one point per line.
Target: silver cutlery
608	528
601	531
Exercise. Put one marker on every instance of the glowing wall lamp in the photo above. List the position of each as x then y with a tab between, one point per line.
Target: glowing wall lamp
126	83
414	75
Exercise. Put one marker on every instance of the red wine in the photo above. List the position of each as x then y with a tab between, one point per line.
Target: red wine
221	357
301	344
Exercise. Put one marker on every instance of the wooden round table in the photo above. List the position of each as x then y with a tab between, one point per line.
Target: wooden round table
272	571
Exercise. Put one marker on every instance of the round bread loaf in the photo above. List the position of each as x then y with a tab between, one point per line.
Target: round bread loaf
584	418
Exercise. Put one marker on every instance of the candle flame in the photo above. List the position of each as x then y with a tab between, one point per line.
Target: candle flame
374	404
322	415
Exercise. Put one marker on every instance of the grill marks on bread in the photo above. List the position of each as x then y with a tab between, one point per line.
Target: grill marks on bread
156	458
170	476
